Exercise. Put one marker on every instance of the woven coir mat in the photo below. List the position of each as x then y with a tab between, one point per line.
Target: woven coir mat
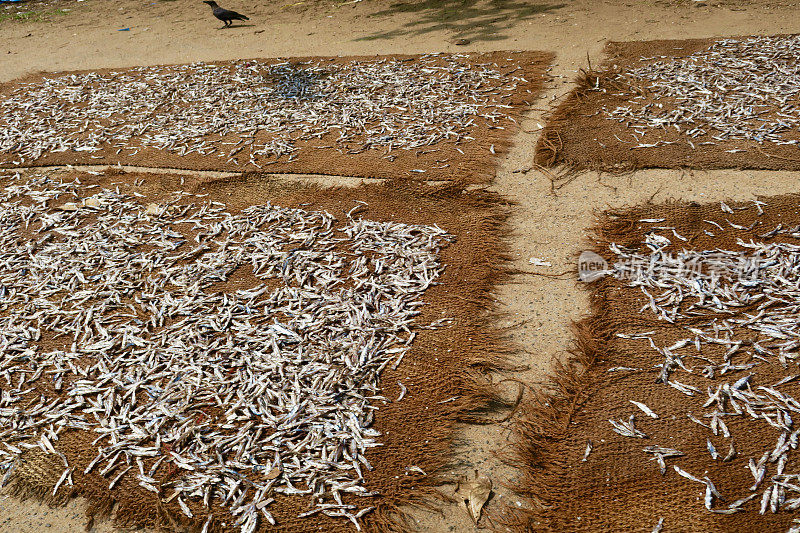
698	103
677	411
429	117
228	354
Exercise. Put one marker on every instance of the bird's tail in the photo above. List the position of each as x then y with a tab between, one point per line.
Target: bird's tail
243	17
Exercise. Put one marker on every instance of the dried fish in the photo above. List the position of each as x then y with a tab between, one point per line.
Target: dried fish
686	474
253	112
731	453
734	310
244	393
644	409
589	446
627	429
660	453
711	449
658	526
735	89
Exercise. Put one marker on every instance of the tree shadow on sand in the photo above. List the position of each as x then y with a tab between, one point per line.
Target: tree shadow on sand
476	20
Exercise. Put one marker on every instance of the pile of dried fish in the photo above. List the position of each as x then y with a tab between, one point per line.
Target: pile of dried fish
735	89
249	111
739	312
127	320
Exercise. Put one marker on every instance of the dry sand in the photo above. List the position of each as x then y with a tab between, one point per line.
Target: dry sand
548	226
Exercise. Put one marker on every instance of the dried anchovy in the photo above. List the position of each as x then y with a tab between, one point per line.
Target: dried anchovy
733	90
737	313
220	110
246	392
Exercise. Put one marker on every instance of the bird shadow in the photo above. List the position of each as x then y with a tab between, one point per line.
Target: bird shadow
475	20
237	26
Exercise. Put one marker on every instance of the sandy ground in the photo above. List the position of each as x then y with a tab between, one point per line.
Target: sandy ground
546	225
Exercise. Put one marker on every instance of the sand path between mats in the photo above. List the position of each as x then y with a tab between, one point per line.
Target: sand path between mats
546	226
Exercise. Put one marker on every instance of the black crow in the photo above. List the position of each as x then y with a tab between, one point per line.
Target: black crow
225	15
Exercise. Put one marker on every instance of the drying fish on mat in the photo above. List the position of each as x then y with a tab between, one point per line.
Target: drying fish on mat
221	360
708	103
713	322
646	410
660	453
389	116
627	429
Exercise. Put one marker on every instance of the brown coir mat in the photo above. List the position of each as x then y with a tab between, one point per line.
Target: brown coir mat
710	361
438	382
428	117
697	103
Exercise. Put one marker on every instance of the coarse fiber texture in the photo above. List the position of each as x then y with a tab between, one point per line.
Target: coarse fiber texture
428	117
697	103
740	442
443	372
